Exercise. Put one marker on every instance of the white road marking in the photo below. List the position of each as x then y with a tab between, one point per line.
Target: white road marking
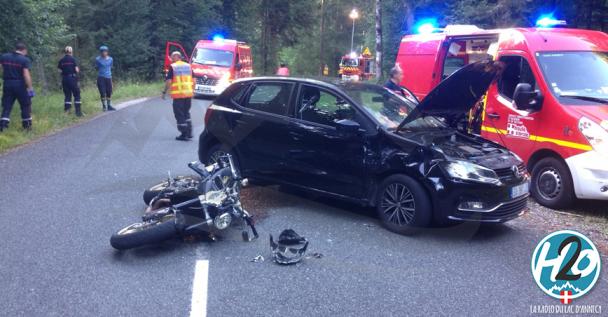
199	289
128	103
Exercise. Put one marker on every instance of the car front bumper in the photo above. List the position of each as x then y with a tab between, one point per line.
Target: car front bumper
494	203
589	174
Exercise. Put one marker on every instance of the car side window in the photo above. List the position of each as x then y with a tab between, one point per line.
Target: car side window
270	97
238	93
517	70
320	106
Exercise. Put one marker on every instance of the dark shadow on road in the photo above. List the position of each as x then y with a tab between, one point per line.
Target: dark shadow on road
465	231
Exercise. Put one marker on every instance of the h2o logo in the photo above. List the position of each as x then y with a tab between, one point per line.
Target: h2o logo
566	265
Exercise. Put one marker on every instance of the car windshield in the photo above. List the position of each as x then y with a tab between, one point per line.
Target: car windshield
350	62
206	56
576	78
388	108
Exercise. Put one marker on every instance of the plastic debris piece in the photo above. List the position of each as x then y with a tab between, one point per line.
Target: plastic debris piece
257	259
316	255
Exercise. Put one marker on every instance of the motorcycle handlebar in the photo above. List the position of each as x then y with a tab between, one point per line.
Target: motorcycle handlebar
194	166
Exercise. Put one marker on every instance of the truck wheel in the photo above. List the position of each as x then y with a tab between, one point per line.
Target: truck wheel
552	184
402	204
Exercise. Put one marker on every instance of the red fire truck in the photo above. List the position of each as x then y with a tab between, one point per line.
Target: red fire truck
550	106
215	63
357	67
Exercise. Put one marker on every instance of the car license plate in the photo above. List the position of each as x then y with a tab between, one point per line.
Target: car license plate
203	89
520	190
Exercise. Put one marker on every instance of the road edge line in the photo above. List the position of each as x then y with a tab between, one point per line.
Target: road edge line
118	106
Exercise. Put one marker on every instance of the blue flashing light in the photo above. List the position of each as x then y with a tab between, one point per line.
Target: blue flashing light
426	26
548	21
218	38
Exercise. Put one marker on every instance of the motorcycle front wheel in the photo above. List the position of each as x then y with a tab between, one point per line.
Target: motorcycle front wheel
142	233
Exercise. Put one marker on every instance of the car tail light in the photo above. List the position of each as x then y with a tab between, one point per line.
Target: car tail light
208	114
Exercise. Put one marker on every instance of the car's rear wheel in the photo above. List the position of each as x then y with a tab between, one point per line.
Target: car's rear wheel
215	152
551	183
402	204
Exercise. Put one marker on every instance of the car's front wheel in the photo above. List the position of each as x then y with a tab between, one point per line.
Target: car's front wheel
551	183
402	204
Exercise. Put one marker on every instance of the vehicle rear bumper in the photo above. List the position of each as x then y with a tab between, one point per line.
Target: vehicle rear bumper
589	175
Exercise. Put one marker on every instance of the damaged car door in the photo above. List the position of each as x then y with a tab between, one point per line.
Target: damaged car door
327	143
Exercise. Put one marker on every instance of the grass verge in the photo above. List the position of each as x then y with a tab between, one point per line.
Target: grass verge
48	115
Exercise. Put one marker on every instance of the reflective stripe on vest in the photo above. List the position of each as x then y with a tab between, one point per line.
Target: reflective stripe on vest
181	83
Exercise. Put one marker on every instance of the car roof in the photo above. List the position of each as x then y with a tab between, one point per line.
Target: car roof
327	82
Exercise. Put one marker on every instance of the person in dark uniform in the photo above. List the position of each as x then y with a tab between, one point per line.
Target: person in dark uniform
393	84
104	63
69	80
395	77
17	86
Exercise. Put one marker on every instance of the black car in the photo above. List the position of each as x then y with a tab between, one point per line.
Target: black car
364	143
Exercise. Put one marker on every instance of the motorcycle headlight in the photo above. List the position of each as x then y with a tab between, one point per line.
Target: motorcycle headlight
470	172
595	134
222	221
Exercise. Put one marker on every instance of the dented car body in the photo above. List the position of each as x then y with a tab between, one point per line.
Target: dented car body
363	143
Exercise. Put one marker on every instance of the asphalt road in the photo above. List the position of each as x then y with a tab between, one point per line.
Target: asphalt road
62	197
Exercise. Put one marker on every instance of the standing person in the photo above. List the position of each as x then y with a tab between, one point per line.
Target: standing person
283	70
104	63
69	80
17	86
394	83
180	85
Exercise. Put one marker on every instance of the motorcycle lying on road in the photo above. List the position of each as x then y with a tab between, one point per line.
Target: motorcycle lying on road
189	205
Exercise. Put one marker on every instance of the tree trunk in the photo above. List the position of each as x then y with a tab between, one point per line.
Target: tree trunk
378	39
321	48
41	74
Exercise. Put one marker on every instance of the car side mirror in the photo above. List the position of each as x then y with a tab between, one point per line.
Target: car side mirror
238	67
347	127
526	98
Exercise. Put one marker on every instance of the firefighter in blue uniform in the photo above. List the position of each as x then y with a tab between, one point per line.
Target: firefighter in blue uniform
17	86
69	81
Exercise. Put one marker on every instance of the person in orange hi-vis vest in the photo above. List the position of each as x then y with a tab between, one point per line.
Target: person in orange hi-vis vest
180	85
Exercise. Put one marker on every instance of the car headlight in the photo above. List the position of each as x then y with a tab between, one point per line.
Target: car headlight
471	172
595	134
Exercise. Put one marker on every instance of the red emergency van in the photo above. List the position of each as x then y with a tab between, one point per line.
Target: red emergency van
215	63
550	105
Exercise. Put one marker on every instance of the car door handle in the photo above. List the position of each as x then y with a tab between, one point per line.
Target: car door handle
494	116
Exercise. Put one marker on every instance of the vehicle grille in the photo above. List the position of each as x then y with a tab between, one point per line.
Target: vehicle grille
507	172
505	212
206	81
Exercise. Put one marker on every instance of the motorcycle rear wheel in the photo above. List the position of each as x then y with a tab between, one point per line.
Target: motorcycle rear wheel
153	191
140	234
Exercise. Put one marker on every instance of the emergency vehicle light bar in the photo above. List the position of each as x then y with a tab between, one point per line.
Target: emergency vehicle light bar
549	21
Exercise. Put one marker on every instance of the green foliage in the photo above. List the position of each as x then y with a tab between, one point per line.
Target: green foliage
278	30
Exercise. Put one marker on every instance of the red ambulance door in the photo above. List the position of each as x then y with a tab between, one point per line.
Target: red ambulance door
171	47
502	122
244	60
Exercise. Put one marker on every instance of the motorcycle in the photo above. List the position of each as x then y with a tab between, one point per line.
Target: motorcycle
190	205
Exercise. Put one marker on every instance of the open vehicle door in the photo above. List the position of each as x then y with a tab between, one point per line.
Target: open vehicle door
172	47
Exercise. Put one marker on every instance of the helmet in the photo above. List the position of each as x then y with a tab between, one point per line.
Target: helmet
103	48
290	247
